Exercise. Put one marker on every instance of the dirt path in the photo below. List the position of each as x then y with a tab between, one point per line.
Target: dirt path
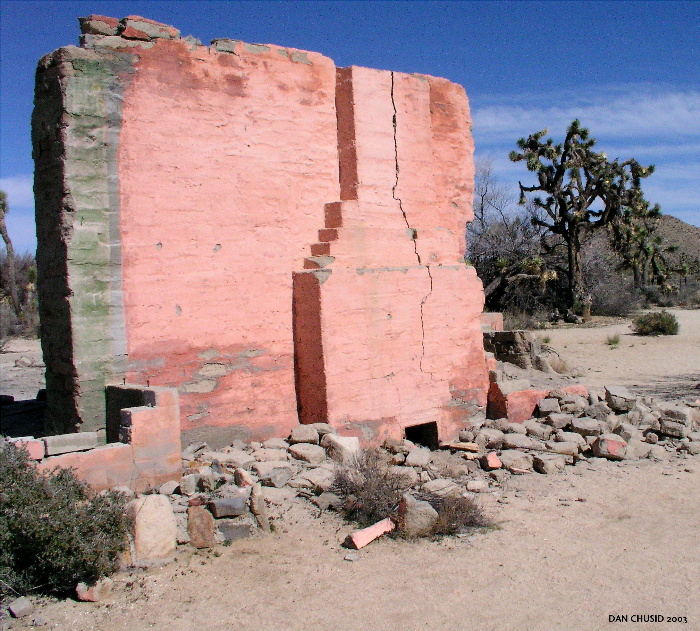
663	367
557	562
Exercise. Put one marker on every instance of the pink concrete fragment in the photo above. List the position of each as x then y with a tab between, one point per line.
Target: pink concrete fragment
137	27
94	593
491	461
34	447
494	321
360	538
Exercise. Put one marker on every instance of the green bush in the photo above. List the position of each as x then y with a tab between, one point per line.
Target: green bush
54	531
657	323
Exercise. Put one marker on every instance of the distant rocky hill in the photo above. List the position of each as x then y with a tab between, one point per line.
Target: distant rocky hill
681	235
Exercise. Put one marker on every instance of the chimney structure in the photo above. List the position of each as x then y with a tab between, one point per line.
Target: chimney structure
279	239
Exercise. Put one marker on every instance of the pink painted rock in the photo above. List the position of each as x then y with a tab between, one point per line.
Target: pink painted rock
94	593
490	461
360	538
609	446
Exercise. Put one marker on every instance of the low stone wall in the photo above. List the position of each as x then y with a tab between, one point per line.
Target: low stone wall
144	425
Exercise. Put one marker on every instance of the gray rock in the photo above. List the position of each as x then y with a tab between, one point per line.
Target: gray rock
571	437
207	479
504	425
234	529
519	441
416	517
637	449
564	448
313	454
619	398
275	443
548	406
514	459
679	413
233	457
323	429
67	443
540	431
259	508
675	429
586	426
342	449
418	457
228	507
327	500
443	488
21	607
317	480
627	432
200	527
304	434
277	478
398	446
262	469
599	411
658	452
169	488
154	529
489	438
477	486
189	484
559	421
547	463
266	455
690	446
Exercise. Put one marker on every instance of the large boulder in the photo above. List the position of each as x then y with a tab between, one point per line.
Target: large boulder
342	449
154	530
416	517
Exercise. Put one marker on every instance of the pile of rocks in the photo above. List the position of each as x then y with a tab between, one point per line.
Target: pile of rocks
233	492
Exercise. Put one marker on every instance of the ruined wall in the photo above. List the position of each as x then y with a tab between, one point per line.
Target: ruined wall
278	239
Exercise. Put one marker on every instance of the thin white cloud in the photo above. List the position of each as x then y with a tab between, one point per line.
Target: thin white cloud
19	190
607	113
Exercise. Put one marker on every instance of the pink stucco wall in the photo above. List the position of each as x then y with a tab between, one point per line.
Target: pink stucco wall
282	241
225	163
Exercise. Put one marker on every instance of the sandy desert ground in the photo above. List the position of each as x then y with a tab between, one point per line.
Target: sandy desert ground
570	550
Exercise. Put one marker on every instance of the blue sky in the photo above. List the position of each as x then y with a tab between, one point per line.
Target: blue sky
630	71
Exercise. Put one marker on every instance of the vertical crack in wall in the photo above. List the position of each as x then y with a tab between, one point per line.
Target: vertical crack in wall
412	231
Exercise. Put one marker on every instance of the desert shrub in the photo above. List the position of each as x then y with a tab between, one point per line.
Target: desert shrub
456	514
371	490
612	340
656	323
54	532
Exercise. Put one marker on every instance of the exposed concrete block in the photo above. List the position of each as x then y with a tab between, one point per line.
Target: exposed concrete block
66	443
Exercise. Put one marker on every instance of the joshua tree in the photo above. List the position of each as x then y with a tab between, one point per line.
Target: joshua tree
583	191
11	274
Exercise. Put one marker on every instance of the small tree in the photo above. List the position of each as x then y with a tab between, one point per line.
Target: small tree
583	191
11	272
502	243
633	236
